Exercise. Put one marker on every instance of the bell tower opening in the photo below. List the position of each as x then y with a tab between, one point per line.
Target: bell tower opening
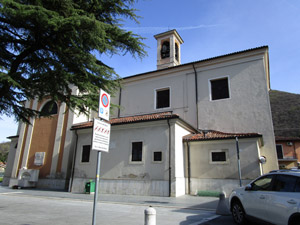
168	49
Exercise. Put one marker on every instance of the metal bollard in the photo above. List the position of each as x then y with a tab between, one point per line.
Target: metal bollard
150	216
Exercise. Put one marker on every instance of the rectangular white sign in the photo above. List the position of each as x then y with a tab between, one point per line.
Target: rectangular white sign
104	105
101	136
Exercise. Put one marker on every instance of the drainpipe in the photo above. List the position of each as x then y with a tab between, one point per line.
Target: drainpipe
189	166
196	92
73	164
120	96
170	172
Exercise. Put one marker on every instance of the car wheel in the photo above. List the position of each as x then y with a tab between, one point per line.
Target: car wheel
238	213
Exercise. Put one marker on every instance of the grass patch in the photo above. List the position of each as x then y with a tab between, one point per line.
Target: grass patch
209	193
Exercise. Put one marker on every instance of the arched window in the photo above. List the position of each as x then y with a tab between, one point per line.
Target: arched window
176	52
165	50
50	108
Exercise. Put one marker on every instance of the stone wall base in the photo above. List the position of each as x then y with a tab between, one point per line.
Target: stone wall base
125	187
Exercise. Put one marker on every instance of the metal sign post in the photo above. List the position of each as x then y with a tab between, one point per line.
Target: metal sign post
100	140
238	159
96	187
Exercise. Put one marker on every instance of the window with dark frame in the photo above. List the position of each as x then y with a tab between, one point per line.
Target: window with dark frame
50	108
219	89
157	156
163	98
137	152
85	156
218	156
279	151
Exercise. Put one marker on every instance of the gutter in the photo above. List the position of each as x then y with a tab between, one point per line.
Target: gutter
170	171
196	92
120	96
189	167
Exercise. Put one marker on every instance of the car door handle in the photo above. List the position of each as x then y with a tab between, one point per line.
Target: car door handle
292	201
262	197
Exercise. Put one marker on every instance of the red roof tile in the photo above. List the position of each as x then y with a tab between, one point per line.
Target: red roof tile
130	119
217	135
277	138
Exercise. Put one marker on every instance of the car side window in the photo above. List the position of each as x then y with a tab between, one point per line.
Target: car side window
297	188
262	184
285	183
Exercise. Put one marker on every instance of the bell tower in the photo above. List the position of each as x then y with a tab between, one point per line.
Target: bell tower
168	49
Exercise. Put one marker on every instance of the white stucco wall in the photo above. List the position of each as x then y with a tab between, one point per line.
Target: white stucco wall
207	175
179	160
10	161
247	110
117	173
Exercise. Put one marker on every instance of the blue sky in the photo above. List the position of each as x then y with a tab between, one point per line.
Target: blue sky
211	28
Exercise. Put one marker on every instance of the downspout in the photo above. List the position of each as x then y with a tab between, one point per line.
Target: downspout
196	92
73	164
170	172
189	167
119	108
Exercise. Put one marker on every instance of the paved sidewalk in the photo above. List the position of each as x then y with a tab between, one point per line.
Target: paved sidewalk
187	201
34	207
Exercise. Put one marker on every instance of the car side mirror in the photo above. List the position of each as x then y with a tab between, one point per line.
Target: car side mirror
248	187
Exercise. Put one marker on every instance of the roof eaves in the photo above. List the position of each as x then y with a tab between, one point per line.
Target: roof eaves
199	61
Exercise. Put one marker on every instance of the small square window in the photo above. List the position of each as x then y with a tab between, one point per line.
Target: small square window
157	156
85	155
219	156
163	98
219	89
137	152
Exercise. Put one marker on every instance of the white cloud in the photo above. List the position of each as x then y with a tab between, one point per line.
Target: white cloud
147	30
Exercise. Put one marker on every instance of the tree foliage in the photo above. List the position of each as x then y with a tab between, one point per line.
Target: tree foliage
49	46
4	149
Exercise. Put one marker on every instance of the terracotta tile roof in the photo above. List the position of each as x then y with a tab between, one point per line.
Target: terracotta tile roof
217	135
277	138
130	119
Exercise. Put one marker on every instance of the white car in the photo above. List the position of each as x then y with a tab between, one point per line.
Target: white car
273	198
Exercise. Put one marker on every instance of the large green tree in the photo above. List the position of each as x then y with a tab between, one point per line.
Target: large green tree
48	46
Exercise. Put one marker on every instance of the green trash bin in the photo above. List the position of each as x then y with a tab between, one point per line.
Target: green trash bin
90	187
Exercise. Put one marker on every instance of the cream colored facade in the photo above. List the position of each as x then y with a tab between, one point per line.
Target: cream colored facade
245	110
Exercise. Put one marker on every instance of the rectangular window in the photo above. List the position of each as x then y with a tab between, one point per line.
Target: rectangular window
137	152
279	151
219	156
163	98
219	89
85	155
157	156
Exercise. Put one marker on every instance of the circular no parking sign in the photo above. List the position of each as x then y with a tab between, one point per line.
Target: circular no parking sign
104	100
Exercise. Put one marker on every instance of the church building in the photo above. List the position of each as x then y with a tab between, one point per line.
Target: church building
175	132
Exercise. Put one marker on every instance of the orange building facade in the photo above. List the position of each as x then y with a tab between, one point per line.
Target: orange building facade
288	152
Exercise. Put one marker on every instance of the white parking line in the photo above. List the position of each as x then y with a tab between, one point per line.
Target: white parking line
7	193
